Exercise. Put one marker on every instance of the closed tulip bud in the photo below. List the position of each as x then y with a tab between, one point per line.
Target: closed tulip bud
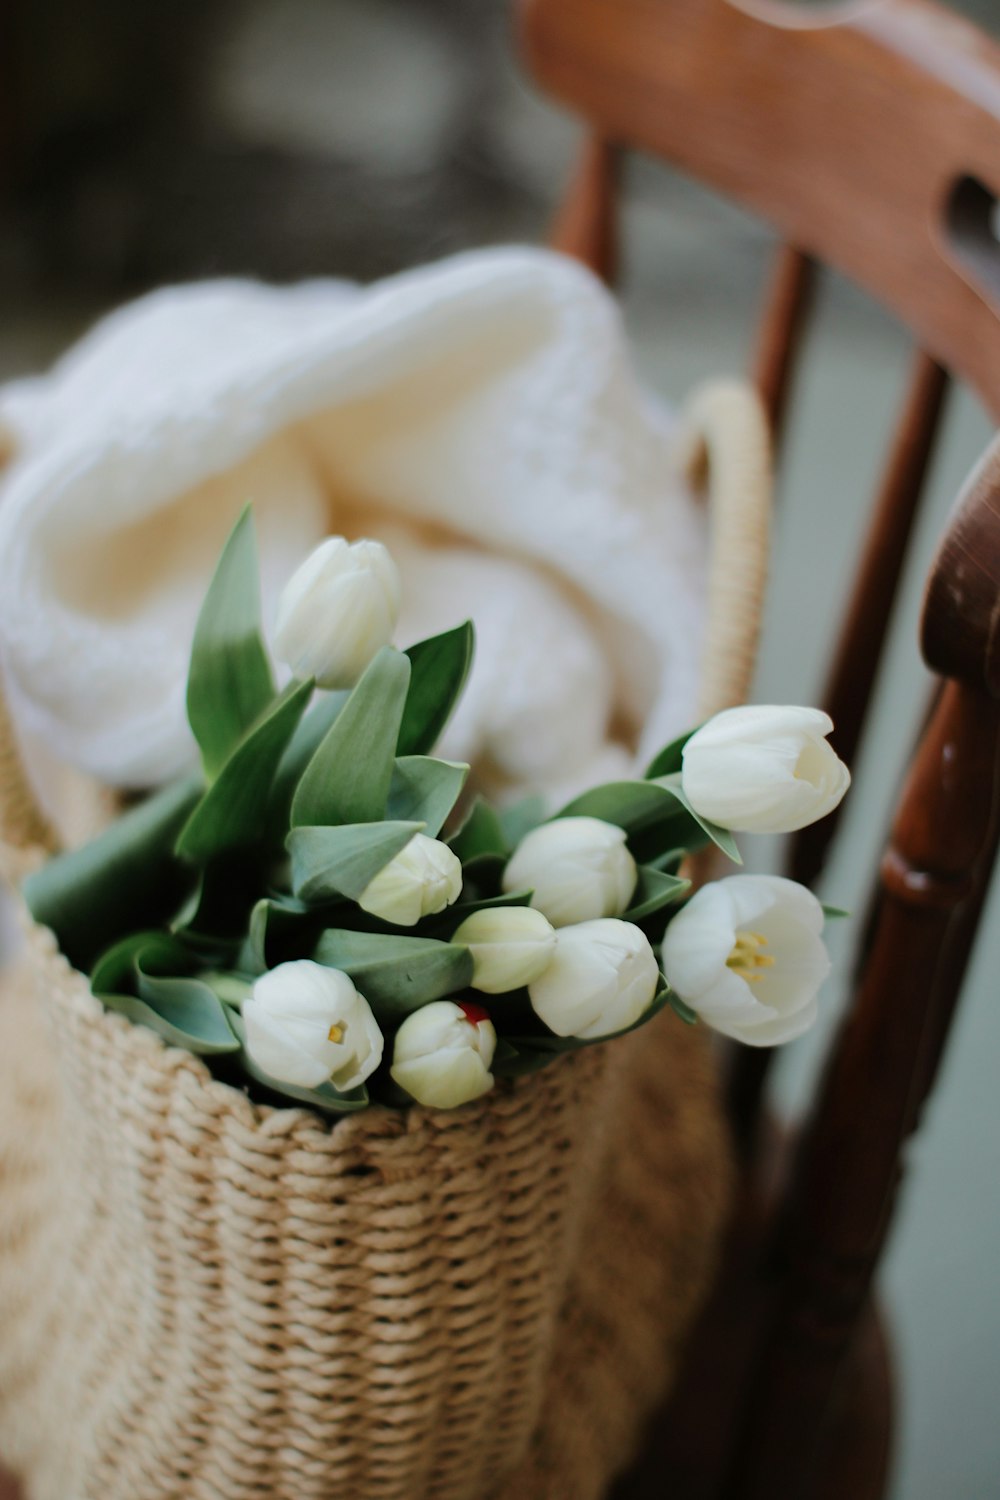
602	978
577	868
337	611
424	878
764	769
510	946
443	1053
747	955
307	1025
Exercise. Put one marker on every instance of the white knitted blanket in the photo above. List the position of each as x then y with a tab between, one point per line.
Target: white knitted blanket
480	415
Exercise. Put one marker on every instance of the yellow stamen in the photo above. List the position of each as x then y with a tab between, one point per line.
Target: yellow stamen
336	1033
744	959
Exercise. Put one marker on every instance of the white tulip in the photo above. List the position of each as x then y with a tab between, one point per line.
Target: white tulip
443	1054
760	769
577	868
747	955
602	978
423	878
307	1025
337	611
510	946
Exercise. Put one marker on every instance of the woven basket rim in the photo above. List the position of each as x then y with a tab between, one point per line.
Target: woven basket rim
385	1121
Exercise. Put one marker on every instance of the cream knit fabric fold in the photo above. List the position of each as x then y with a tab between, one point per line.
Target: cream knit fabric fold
485	405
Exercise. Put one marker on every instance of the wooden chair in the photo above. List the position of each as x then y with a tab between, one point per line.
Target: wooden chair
871	144
868	136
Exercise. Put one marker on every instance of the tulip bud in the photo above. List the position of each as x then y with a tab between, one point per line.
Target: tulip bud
747	955
510	946
337	611
577	869
443	1054
601	979
307	1025
761	769
423	878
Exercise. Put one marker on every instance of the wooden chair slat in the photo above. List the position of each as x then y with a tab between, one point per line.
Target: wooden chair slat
786	308
586	225
872	143
859	650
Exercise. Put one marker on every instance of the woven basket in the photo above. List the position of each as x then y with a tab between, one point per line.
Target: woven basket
207	1299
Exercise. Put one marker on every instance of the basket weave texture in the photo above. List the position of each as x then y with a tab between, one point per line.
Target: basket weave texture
202	1298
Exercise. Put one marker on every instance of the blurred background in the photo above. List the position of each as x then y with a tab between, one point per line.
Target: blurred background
286	138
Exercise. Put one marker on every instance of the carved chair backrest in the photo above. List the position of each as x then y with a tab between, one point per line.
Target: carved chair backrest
868	136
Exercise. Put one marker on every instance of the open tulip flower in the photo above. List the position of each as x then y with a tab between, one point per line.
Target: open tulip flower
307	1025
746	954
760	769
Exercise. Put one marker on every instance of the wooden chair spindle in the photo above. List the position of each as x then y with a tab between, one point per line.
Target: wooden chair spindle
586	225
786	308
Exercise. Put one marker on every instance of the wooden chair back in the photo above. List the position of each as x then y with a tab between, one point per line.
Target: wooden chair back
868	136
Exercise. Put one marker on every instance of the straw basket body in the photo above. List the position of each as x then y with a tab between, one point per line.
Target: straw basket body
206	1299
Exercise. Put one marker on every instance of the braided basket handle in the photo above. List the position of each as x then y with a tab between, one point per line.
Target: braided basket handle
724	443
725	449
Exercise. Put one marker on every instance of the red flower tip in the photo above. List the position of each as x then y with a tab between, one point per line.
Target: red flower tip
473	1013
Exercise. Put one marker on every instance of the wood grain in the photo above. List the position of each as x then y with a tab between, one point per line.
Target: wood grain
586	225
858	656
787	304
851	139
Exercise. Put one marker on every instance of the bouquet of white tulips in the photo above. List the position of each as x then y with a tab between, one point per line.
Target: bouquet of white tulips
325	914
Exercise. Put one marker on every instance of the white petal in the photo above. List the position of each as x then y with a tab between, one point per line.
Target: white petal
277	1053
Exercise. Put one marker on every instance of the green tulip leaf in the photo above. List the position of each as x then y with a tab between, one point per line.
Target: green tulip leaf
669	862
670	759
274	925
481	876
480	833
125	879
309	734
343	861
232	813
440	669
348	777
687	1015
655	814
454	916
326	1098
721	837
142	1014
521	818
396	975
217	913
229	679
654	891
425	791
834	913
189	1008
631	805
115	970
